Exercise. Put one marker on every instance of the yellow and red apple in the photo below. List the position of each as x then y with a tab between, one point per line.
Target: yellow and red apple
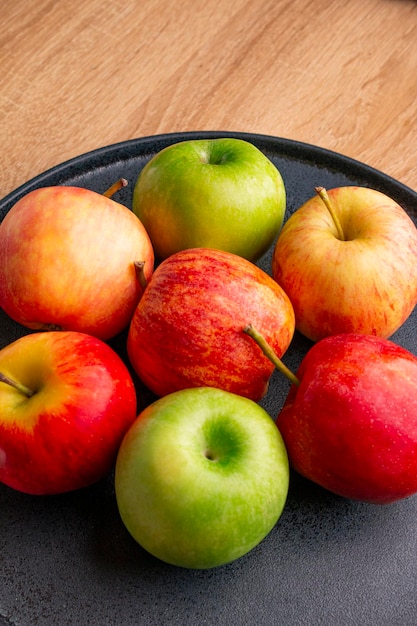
347	259
66	401
69	259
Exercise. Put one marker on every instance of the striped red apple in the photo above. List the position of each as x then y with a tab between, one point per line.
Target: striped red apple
187	328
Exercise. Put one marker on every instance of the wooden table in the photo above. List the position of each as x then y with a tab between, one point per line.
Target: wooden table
75	76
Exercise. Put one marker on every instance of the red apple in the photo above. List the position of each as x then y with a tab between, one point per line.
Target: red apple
66	401
187	328
67	261
348	261
351	423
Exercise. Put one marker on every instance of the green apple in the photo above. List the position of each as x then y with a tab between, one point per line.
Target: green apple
201	477
217	193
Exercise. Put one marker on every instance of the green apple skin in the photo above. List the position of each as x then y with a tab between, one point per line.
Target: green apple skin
217	193
201	477
366	283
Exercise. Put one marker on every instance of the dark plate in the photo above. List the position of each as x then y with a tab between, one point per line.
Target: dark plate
329	561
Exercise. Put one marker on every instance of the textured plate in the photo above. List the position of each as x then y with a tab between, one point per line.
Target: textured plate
68	559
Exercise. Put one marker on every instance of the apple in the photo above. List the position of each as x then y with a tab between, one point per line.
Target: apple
350	423
201	477
217	193
69	260
187	328
66	401
347	259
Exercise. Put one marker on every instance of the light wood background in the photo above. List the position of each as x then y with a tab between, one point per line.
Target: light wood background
75	76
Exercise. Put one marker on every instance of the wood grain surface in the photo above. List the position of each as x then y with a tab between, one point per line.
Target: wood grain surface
75	76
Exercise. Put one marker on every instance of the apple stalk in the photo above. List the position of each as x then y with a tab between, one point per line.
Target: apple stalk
122	182
13	383
139	265
270	353
140	273
322	193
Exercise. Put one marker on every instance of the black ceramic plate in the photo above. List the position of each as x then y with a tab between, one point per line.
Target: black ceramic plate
68	560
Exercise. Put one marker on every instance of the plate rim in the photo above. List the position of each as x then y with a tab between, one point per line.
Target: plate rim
293	148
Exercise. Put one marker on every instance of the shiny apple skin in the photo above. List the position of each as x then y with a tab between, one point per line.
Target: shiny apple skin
366	284
201	477
351	425
187	330
67	258
66	436
220	193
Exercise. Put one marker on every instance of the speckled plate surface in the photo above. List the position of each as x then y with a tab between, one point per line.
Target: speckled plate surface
68	560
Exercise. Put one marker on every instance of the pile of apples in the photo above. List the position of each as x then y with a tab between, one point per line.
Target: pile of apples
202	473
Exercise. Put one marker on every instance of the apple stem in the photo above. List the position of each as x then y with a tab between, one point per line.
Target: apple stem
140	273
13	383
322	193
270	353
122	182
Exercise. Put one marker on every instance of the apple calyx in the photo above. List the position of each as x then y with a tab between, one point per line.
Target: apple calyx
270	354
13	383
122	182
140	273
51	327
322	193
